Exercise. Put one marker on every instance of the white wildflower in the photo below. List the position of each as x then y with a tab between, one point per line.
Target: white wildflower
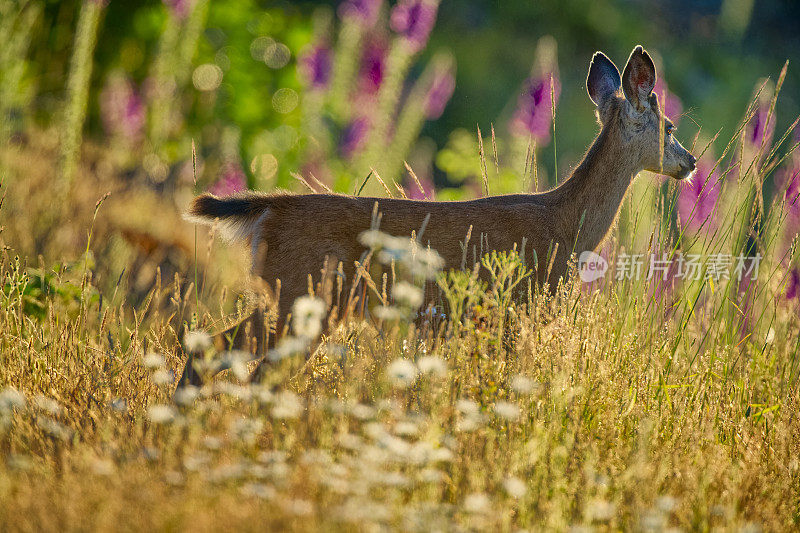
467	407
247	429
234	390
186	395
376	431
433	365
196	341
362	411
472	418
432	475
212	443
286	348
119	404
47	405
507	410
407	295
350	441
227	472
402	372
307	315
373	238
259	490
174	478
387	312
424	262
102	467
262	394
394	479
601	510
406	429
442	455
666	503
161	414
287	405
53	428
298	507
477	503
522	384
10	399
153	360
163	377
515	487
236	361
196	462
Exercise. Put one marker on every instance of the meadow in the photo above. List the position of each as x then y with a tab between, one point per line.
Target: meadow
660	396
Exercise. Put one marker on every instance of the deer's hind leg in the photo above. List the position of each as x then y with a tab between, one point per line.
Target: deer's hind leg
326	288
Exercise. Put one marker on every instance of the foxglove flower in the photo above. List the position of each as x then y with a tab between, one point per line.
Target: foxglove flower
790	178
428	193
179	8
363	11
232	180
414	20
440	91
697	200
787	180
793	285
122	109
373	67
669	102
534	113
758	129
353	136
315	66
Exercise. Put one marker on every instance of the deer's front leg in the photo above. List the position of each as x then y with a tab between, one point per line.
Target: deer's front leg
249	335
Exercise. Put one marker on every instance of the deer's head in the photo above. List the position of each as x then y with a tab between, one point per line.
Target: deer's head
629	108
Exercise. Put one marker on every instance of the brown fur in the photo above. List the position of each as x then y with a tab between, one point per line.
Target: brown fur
292	235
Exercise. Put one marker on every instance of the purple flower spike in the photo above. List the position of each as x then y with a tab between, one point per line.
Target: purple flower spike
232	180
427	184
793	285
534	113
440	91
180	8
353	137
758	130
414	20
672	104
364	11
315	66
373	67
122	109
697	200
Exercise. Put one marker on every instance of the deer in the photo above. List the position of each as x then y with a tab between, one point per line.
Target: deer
293	235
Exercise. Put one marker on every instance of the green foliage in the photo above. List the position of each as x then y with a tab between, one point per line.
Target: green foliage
34	290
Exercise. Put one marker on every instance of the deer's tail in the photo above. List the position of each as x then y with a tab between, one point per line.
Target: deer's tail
239	216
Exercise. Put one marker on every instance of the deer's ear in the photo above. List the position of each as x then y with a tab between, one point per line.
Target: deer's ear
603	79
639	78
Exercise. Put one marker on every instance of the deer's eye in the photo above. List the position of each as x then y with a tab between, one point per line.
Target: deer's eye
669	128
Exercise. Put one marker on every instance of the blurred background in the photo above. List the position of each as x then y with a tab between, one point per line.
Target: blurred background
155	101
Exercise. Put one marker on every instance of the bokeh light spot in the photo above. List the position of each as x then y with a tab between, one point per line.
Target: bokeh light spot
207	77
277	55
285	100
259	46
264	166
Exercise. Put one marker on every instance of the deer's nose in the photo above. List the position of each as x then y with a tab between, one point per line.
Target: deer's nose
692	162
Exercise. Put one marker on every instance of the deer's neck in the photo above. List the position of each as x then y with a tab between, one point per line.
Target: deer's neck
588	203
